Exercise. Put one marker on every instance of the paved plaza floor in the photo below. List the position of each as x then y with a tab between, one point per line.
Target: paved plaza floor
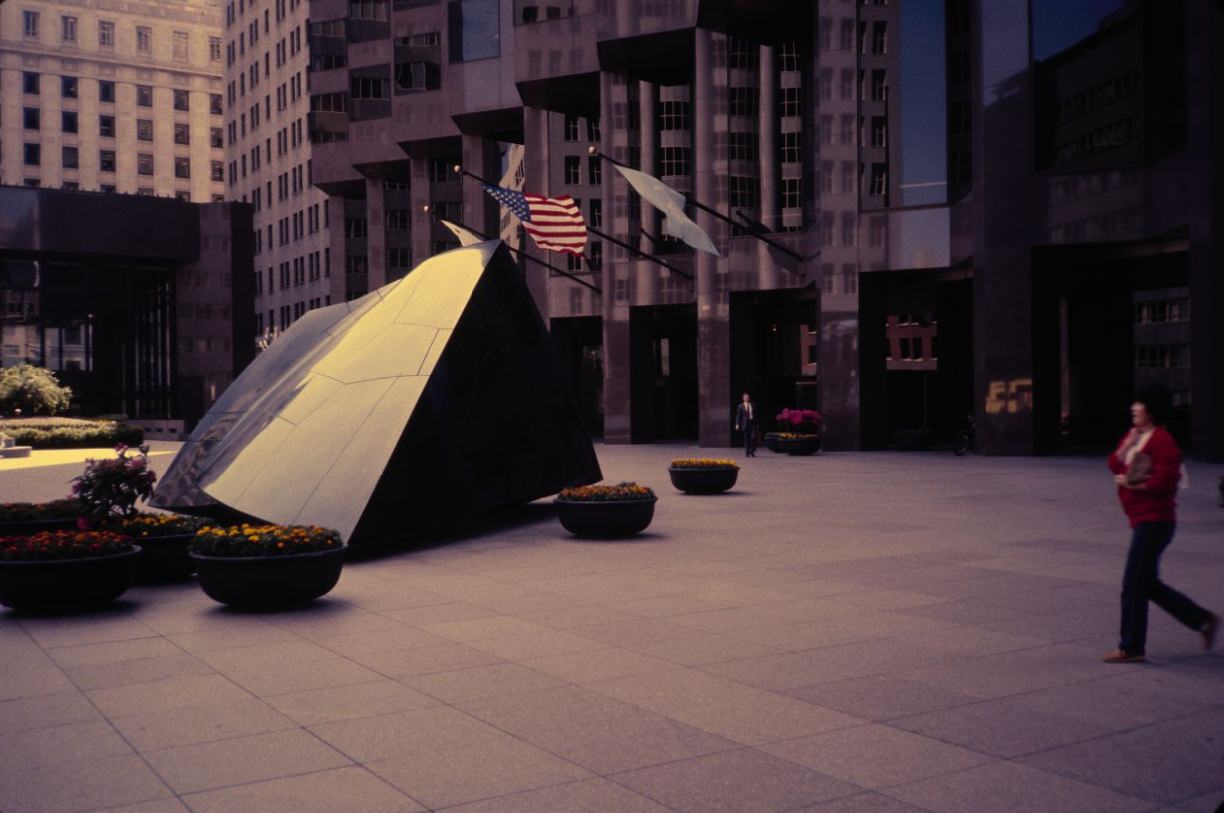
848	632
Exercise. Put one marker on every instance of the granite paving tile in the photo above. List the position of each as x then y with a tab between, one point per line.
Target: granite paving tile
875	756
740	781
1006	786
354	789
583	796
241	760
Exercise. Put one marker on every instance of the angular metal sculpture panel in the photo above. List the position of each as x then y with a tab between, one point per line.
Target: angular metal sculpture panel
410	410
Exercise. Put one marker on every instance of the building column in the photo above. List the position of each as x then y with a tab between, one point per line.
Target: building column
771	275
1205	94
617	365
536	159
376	234
647	273
713	311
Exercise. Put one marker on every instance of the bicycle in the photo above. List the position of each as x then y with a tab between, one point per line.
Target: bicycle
966	439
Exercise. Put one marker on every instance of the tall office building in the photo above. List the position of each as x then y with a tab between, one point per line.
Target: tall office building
268	157
98	97
1006	208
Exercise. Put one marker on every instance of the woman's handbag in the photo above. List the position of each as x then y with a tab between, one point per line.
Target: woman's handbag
1139	470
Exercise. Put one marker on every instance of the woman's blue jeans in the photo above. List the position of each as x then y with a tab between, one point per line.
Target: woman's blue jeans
1141	583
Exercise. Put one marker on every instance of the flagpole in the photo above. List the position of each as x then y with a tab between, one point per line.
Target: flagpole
430	211
594	152
459	169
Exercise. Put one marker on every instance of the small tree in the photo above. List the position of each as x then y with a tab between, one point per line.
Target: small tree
33	390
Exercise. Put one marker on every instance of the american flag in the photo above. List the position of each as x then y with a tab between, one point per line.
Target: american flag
555	224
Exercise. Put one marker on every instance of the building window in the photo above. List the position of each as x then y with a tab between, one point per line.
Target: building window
32	155
879	86
573	170
571	128
788	56
848	230
68	87
826	278
29	24
68	29
106	34
106	91
849	178
847	85
144	163
69	157
879	132
68	121
850	286
182	167
675	115
182	134
106	161
144	95
847	130
742	102
29	82
879	38
182	100
215	105
741	53
216	137
742	146
106	126
369	87
792	148
792	193
30	118
675	161
397	219
846	40
144	39
594	171
596	213
144	129
788	102
593	130
181	45
879	180
743	192
214	49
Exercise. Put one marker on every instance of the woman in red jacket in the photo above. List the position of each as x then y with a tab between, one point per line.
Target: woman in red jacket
1149	503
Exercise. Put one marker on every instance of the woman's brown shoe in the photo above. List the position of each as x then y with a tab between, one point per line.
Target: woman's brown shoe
1209	629
1119	656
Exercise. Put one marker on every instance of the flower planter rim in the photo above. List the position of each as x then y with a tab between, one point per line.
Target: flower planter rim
703	468
135	550
279	556
651	498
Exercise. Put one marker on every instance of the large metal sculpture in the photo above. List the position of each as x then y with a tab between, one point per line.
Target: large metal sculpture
410	410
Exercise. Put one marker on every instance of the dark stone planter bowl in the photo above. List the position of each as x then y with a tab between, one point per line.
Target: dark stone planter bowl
269	582
605	519
771	442
703	481
799	446
164	558
34	526
65	584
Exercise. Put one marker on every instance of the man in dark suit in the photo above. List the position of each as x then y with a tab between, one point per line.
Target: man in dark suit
746	421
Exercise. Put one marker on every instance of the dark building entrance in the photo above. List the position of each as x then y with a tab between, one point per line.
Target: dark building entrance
663	385
1108	320
579	343
774	351
917	362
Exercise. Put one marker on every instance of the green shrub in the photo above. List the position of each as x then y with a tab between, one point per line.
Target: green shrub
33	390
75	435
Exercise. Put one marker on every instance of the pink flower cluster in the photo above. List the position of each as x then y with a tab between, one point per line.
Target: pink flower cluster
788	418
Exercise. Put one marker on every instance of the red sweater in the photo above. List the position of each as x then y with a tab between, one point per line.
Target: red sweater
1156	501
